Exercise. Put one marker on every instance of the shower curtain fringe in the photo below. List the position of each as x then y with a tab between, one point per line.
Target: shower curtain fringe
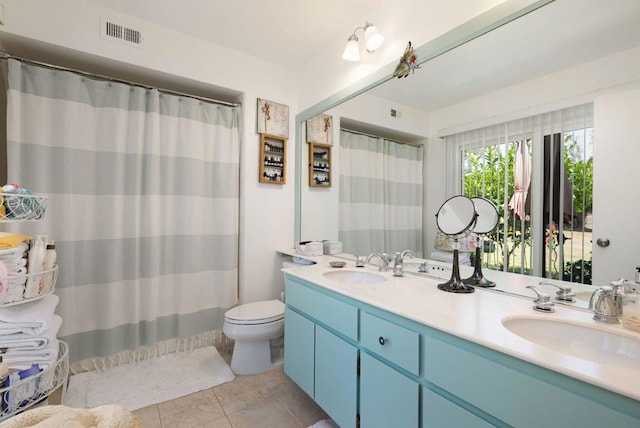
133	356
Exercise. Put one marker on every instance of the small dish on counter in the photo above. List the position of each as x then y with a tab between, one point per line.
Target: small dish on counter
337	264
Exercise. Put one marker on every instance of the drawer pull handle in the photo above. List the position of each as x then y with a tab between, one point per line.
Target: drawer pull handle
382	340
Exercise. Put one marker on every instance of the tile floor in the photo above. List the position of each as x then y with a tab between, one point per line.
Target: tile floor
264	400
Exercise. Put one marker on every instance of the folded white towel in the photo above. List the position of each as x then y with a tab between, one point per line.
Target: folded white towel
15	263
31	318
43	357
27	342
15	252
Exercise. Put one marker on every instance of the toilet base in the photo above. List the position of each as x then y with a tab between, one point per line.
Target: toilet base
251	357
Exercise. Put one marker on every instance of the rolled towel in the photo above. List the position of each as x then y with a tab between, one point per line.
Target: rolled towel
31	318
26	342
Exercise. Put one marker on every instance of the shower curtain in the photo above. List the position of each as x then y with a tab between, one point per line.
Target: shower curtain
380	195
143	208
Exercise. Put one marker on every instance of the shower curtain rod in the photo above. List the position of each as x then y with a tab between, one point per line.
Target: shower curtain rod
378	136
5	55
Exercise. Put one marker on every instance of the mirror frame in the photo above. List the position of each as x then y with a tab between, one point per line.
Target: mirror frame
487	21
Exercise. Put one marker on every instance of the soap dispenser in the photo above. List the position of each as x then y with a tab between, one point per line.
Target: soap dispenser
631	306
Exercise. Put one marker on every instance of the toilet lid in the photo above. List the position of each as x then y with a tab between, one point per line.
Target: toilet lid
256	312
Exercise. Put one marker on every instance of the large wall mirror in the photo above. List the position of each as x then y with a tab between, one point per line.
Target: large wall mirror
550	40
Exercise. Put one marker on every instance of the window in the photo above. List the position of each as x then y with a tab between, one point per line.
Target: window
538	173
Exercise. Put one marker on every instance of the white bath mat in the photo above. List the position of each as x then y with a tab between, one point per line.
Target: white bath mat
152	381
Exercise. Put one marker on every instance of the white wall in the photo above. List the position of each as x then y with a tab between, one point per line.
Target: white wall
267	210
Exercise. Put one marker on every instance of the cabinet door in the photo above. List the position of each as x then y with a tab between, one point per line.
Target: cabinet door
387	397
441	413
299	345
336	389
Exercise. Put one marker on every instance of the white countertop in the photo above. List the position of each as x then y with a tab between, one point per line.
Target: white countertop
478	316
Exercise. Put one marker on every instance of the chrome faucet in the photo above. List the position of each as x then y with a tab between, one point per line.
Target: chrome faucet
618	294
384	261
398	262
360	262
603	306
543	302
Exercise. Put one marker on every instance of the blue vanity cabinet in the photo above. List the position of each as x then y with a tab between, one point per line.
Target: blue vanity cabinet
388	397
299	356
336	387
439	412
511	392
412	375
320	352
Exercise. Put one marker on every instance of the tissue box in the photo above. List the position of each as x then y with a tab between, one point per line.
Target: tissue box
331	247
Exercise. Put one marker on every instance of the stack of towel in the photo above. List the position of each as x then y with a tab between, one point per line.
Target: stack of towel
28	333
13	270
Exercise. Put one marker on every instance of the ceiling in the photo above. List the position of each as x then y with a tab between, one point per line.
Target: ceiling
557	36
287	32
292	32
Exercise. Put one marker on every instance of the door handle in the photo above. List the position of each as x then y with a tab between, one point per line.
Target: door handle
603	242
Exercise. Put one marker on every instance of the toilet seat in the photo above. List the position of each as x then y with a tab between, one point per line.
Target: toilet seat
256	313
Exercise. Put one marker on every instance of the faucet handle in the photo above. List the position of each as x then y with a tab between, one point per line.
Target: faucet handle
543	301
564	293
360	261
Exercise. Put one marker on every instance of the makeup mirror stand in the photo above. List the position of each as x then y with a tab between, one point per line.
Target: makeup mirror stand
477	279
455	284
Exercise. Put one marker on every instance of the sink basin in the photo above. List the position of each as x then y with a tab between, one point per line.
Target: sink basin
355	277
579	340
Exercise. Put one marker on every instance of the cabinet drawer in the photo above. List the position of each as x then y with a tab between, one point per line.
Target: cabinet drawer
330	311
508	393
439	412
397	344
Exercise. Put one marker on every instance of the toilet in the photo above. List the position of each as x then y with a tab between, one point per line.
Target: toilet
254	327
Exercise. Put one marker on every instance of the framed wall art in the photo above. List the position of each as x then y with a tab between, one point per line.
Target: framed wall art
273	118
320	129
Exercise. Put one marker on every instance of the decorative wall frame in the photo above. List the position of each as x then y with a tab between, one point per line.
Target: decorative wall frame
272	118
320	129
319	165
273	159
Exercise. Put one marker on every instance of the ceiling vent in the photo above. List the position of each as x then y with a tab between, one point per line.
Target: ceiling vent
111	30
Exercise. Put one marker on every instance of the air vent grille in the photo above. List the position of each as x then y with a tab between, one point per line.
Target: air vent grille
123	33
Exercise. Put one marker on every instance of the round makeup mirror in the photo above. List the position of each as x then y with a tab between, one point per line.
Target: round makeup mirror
485	223
456	218
487	216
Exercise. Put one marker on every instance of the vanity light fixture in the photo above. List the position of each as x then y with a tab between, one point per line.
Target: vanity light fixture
373	40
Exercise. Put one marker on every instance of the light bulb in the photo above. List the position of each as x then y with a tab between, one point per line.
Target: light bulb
352	50
374	39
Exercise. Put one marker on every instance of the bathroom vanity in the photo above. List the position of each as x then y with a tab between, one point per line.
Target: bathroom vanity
374	350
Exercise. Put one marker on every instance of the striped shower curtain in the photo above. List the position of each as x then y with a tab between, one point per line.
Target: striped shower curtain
380	195
144	205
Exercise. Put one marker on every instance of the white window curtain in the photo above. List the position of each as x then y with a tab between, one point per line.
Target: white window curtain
144	205
521	155
380	195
